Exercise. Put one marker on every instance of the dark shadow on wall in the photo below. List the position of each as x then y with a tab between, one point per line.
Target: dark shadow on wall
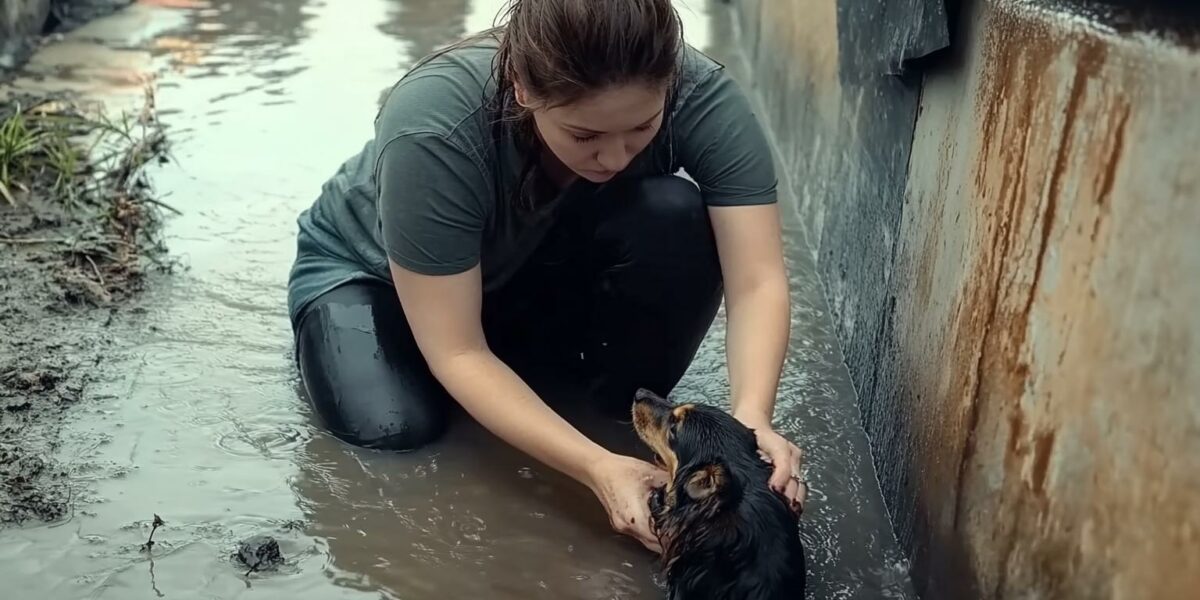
883	47
1175	20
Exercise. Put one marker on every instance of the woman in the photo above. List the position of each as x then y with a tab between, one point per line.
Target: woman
518	195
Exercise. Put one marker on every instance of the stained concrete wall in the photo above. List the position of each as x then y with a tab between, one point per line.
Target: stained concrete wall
1009	233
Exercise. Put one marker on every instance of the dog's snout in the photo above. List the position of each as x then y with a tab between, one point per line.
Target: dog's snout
645	396
650	412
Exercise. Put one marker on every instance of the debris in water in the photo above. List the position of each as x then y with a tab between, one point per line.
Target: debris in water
259	552
158	522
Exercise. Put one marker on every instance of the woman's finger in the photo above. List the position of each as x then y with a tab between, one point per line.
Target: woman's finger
782	473
791	491
640	529
649	540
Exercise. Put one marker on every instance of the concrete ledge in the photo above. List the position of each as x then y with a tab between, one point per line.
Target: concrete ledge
1010	242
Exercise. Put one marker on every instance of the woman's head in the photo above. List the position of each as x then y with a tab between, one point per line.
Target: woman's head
594	76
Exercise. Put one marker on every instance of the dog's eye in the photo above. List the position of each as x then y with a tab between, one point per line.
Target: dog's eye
671	430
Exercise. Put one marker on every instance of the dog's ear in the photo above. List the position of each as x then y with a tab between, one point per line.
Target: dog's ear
707	481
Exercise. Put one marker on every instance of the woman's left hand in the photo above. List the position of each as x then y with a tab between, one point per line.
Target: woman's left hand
786	458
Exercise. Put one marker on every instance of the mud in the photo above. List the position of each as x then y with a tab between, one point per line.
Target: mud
260	553
71	255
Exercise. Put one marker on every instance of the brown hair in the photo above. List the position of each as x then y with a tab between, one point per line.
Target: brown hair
562	50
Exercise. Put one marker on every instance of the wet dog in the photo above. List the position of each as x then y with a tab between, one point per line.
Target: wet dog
724	533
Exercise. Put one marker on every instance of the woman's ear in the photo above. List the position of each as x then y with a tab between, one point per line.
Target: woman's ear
522	95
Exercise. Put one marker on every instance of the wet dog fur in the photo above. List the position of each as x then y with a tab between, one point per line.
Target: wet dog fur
724	533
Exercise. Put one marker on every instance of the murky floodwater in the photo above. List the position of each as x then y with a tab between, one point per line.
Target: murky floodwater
201	420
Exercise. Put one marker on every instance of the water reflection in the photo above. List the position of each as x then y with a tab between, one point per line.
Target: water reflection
424	25
470	516
233	39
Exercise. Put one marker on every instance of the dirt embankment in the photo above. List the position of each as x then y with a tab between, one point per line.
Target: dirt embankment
77	236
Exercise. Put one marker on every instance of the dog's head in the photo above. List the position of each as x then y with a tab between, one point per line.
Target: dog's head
724	532
699	446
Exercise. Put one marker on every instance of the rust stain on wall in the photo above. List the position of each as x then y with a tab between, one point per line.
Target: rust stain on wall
1067	168
1035	388
1043	444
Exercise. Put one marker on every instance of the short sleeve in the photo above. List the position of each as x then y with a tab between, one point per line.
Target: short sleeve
722	146
432	204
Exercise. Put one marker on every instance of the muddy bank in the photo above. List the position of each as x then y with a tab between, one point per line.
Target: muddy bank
77	237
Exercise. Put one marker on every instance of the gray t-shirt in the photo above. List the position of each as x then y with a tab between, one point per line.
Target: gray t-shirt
431	190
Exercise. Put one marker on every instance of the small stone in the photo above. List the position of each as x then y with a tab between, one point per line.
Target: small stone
260	553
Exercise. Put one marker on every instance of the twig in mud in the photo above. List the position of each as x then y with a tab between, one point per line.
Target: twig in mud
153	585
158	522
96	270
70	505
162	204
7	195
20	241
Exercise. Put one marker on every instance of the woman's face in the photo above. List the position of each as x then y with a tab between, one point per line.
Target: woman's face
597	136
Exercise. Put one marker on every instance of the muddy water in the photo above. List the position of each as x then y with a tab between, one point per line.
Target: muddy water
201	420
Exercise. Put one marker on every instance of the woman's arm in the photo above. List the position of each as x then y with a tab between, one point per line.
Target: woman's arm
444	314
725	149
756	302
759	323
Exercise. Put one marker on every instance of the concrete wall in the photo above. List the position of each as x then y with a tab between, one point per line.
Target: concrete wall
19	19
1016	277
23	20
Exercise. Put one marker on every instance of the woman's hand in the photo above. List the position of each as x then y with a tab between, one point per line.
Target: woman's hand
785	456
623	484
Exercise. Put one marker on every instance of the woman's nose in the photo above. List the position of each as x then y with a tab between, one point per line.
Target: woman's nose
613	156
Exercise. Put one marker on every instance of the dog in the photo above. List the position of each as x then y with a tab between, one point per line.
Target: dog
725	534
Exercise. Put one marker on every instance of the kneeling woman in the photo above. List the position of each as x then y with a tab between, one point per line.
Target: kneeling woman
519	193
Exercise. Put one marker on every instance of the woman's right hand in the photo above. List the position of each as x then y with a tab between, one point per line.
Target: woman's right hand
443	312
623	484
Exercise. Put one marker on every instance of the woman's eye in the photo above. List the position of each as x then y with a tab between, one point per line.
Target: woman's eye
583	139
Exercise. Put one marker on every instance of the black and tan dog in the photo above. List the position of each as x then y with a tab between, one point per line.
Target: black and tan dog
725	534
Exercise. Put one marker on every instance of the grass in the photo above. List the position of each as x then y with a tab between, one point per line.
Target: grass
83	171
51	148
18	145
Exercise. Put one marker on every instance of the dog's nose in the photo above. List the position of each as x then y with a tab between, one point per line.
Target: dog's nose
645	395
